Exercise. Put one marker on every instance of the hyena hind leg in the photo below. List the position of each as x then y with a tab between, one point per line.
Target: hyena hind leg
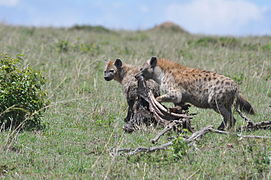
228	119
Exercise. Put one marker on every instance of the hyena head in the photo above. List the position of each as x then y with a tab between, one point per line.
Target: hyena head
150	70
112	69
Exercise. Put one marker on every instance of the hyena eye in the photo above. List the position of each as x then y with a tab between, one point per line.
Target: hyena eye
141	69
111	71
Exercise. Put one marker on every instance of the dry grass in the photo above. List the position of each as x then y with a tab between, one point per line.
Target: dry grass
86	117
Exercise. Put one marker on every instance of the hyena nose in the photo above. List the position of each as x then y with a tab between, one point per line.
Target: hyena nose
106	78
140	74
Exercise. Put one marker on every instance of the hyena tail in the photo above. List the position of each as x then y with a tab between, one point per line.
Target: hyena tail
244	105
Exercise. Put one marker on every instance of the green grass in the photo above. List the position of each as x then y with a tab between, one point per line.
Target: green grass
85	119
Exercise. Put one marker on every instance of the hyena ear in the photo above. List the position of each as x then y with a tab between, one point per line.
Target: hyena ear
118	63
153	61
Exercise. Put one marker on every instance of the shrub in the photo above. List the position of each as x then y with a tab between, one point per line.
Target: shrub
62	46
100	29
215	41
267	47
179	148
22	99
238	78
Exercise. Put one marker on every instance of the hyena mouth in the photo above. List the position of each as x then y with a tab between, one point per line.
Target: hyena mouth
138	75
107	78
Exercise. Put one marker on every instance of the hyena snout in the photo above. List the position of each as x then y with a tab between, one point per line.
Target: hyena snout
139	74
145	73
108	76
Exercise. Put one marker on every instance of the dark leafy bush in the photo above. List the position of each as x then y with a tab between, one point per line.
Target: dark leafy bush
267	47
216	41
238	78
229	42
62	46
100	29
22	100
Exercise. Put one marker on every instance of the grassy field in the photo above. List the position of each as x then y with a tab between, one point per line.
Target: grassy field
85	119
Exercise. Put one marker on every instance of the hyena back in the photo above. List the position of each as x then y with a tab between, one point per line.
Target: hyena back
200	88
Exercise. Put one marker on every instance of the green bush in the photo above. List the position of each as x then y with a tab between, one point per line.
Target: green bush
62	46
22	100
215	41
267	47
179	148
238	78
99	29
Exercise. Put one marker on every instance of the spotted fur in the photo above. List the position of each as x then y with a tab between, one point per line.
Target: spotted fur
203	89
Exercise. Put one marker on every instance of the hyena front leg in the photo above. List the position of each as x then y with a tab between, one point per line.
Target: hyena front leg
130	110
172	96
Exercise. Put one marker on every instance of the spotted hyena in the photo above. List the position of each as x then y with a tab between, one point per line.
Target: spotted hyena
125	75
200	88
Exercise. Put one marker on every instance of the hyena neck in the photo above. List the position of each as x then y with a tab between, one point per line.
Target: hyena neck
158	75
123	72
169	70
